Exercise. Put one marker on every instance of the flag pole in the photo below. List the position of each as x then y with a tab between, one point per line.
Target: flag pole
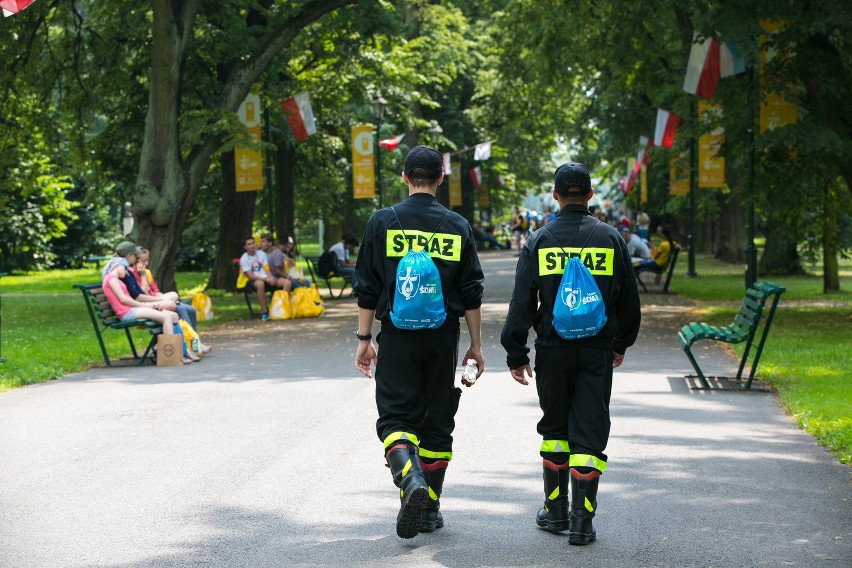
693	166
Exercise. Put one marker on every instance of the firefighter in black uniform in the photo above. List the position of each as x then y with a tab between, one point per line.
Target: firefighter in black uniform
573	378
415	370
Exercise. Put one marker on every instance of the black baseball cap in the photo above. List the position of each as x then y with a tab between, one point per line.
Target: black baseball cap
572	174
426	158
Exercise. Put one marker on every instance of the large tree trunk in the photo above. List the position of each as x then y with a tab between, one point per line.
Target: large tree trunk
780	256
830	265
236	212
166	186
730	234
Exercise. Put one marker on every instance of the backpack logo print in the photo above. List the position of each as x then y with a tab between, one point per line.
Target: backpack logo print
409	284
570	297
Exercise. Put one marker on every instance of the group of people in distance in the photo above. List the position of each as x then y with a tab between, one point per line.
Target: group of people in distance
270	264
133	294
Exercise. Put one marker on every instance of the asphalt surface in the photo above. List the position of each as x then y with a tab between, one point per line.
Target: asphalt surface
265	454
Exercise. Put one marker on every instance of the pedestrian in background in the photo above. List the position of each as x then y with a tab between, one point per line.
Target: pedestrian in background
415	369
573	377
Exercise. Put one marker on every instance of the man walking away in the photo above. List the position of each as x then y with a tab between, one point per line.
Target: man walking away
415	392
573	377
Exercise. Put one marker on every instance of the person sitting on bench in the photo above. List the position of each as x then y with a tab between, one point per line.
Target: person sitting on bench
128	309
345	266
294	273
661	255
255	266
636	247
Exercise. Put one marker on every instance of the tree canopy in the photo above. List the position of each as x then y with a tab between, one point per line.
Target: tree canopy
106	104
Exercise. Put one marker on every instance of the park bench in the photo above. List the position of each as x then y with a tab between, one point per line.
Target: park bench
313	267
743	328
104	318
667	269
97	260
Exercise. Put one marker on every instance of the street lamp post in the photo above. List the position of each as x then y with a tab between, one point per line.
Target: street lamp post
378	103
126	220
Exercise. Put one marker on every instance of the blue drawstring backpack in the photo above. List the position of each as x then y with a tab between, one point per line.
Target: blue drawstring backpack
418	299
578	309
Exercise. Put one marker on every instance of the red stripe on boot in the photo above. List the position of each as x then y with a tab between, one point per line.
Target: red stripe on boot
553	466
440	464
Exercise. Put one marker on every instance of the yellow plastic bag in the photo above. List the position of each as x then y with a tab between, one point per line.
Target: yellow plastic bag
282	308
303	304
190	337
203	307
241	281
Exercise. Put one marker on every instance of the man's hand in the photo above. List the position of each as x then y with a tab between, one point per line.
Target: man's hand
617	359
364	356
518	374
474	353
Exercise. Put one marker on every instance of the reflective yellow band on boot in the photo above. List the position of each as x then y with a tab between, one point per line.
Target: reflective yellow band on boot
424	453
432	495
554	494
585	460
404	436
555	446
589	507
406	468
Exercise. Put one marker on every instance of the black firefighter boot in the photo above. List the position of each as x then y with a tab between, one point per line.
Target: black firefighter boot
434	473
413	490
584	492
553	516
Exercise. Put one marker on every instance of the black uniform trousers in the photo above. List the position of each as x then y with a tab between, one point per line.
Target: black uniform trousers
415	392
574	386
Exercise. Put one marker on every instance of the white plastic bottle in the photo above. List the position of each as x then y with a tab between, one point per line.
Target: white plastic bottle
470	369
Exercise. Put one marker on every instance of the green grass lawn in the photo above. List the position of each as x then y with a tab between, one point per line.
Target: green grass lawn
807	356
47	333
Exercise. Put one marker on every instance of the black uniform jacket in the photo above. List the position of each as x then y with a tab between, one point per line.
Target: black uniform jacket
539	272
452	248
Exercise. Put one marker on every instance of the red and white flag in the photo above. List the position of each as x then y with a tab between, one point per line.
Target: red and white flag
448	167
482	151
300	116
476	176
702	70
667	122
632	175
11	7
391	143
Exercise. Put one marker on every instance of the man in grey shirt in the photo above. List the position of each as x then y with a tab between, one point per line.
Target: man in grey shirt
635	246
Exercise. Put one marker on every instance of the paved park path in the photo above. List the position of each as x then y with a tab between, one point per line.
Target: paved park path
265	454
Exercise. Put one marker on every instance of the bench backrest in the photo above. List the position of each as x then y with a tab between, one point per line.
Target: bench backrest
754	303
97	300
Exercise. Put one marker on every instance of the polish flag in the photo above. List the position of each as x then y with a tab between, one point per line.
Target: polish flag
702	70
448	167
482	151
300	116
476	176
11	7
667	122
391	143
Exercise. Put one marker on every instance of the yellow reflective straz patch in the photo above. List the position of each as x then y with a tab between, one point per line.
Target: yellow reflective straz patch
442	245
553	260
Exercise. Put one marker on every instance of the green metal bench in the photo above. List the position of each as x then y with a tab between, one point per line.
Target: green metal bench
103	318
744	328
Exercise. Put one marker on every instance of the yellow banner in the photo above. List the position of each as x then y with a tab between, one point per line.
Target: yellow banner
775	111
711	166
363	170
643	184
482	196
248	163
678	175
455	185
